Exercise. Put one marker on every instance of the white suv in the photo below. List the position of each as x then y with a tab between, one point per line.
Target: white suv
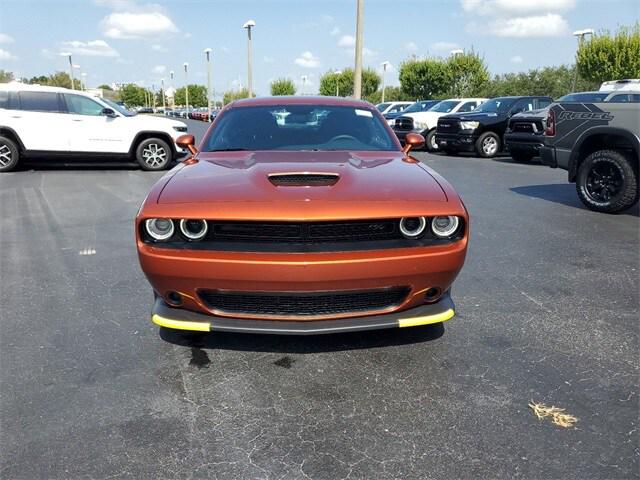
425	123
37	121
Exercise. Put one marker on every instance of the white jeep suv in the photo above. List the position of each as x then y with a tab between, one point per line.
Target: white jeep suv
425	123
38	121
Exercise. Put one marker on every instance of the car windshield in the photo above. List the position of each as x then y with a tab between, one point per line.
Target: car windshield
496	105
584	97
118	108
417	107
445	106
382	106
299	127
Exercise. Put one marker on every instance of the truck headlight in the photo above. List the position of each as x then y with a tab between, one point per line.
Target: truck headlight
419	125
469	125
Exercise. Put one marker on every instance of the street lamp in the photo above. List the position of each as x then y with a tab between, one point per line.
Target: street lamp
84	80
304	82
337	73
580	34
173	96
384	64
164	103
68	54
249	24
186	86
207	52
357	74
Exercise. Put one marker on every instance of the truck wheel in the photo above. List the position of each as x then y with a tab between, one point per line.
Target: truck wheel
9	154
607	182
488	145
522	157
154	154
430	141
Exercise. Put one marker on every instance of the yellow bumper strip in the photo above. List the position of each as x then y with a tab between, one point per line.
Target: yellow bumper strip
426	320
180	324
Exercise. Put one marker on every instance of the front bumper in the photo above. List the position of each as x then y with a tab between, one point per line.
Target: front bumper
165	316
457	142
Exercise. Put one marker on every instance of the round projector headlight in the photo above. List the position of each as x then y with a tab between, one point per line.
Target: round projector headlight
444	226
194	229
159	228
412	227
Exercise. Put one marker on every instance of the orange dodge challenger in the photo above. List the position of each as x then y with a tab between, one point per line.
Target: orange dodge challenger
301	215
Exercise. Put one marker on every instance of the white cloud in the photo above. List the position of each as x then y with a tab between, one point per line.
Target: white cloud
127	25
347	41
517	7
4	38
411	47
159	69
267	59
444	46
307	60
4	55
516	59
92	48
159	48
549	25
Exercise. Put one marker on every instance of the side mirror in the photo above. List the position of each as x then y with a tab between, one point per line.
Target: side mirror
188	142
413	140
109	112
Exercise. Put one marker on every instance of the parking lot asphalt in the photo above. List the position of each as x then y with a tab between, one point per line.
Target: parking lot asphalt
547	311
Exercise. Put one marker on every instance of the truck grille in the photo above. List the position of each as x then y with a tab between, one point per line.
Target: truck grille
303	304
448	126
404	123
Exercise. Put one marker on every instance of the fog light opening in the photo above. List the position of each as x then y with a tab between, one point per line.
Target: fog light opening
432	294
174	298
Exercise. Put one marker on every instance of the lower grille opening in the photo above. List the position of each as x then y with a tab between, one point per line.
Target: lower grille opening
303	304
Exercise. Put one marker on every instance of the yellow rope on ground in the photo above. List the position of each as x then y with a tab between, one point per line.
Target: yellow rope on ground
557	416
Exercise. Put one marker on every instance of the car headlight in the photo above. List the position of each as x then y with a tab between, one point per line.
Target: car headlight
180	129
391	122
469	125
412	227
417	124
444	226
159	228
194	229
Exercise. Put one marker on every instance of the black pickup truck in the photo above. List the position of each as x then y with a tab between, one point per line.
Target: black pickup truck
482	130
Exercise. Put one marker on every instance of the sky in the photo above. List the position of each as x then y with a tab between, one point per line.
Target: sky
142	41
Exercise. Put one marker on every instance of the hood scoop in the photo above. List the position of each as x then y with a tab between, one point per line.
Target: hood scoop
304	179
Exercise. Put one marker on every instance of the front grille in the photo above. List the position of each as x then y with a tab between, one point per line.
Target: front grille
303	304
448	126
404	123
303	179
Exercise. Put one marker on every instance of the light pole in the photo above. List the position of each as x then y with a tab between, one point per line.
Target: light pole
153	96
357	74
164	103
173	97
207	52
304	82
249	24
84	80
337	73
580	34
186	86
67	54
384	64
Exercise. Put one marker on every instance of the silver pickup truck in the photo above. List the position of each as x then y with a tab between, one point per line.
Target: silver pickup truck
599	145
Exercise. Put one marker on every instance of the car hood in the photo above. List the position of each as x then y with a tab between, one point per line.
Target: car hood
366	180
161	123
425	116
479	116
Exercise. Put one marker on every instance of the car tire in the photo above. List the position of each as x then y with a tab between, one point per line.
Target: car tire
9	154
430	141
154	154
607	182
522	157
488	145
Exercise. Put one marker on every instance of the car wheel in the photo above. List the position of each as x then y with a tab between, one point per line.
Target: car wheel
607	182
9	154
522	157
430	141
488	145
154	154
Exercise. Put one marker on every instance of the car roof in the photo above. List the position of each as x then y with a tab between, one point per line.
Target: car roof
523	96
301	100
462	99
27	87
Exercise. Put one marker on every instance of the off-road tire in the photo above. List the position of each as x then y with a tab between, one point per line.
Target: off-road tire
609	170
154	154
9	154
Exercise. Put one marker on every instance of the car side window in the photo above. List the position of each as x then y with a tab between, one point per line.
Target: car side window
634	97
467	107
81	105
523	105
543	102
625	98
39	101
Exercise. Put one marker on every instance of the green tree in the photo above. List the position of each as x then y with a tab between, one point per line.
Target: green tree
133	95
391	94
57	79
197	96
232	95
425	79
105	87
370	83
468	75
6	76
611	57
283	86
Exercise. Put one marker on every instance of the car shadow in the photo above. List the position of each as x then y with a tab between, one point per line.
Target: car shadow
247	342
563	193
